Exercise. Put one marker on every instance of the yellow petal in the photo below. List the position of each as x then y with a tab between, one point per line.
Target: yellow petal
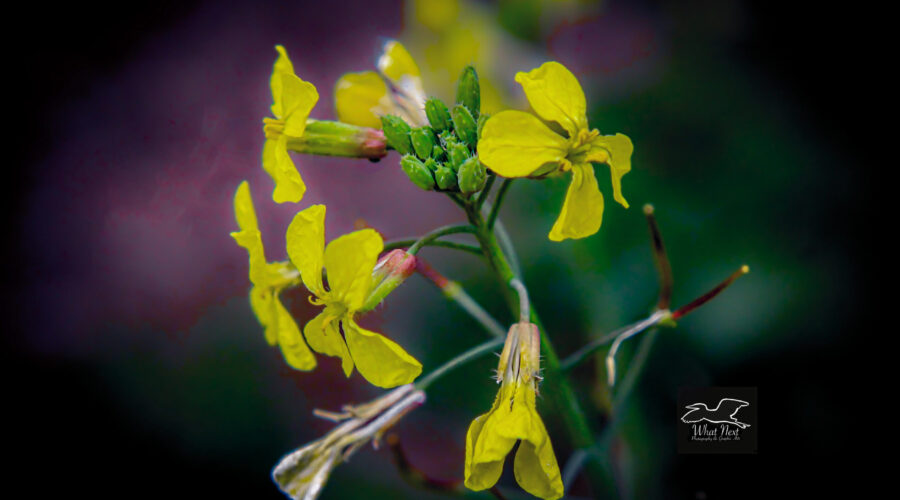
263	305
244	212
282	66
298	99
483	471
615	151
396	62
515	144
294	349
380	360
249	236
555	95
349	261
306	246
278	164
582	211
361	98
535	466
323	336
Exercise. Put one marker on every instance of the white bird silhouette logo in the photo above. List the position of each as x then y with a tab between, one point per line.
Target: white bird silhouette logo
723	413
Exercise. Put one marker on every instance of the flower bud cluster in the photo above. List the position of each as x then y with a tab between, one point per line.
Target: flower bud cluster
442	156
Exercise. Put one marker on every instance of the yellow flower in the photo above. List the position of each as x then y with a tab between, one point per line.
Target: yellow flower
269	279
518	144
349	261
514	417
395	89
293	100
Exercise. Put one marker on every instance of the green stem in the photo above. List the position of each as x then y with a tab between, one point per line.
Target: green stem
498	200
437	233
557	384
625	332
463	358
405	243
485	191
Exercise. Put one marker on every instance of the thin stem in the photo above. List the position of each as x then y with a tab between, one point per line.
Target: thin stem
463	358
616	336
706	297
557	384
507	246
405	243
498	200
455	292
437	233
485	191
661	259
524	308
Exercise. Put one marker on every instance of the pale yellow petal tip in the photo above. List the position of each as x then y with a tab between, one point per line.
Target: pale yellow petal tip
396	61
745	269
648	209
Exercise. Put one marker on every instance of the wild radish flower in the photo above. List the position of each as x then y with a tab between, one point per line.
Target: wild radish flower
349	262
519	144
302	474
269	279
293	100
395	89
512	418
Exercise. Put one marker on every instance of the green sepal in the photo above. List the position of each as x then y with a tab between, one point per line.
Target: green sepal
465	125
423	142
396	131
468	91
481	121
456	153
471	176
445	177
438	114
417	172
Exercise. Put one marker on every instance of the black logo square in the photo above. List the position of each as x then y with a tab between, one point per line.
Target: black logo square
717	420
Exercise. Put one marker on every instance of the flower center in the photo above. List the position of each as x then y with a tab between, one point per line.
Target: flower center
579	147
273	128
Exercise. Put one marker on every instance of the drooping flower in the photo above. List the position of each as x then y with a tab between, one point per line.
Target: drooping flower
293	100
269	279
519	144
512	418
395	89
348	261
302	474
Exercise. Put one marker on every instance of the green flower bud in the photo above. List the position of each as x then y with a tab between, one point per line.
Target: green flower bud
471	176
468	91
481	121
422	139
445	177
465	125
437	152
417	172
431	165
397	133
438	114
457	153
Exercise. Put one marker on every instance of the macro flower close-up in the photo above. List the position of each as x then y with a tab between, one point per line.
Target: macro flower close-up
431	286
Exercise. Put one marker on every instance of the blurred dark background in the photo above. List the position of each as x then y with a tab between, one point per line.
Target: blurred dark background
136	367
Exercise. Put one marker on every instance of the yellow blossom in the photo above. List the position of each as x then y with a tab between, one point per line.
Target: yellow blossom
269	279
513	417
348	261
395	89
519	144
293	100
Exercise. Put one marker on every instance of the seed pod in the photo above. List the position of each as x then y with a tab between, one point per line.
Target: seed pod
417	172
471	176
465	125
423	141
445	177
468	91
457	153
397	133
438	114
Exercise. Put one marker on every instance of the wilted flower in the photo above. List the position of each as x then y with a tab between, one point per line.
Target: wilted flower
513	417
302	474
